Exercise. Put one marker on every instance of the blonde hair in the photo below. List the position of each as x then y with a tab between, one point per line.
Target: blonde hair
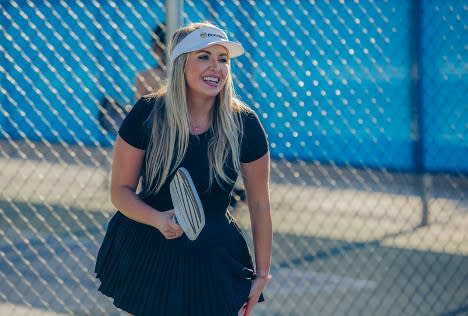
170	128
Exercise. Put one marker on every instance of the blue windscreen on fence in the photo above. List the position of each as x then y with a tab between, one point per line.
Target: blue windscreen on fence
323	95
331	82
445	84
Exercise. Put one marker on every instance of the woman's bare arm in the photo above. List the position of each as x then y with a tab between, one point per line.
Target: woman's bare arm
256	177
126	168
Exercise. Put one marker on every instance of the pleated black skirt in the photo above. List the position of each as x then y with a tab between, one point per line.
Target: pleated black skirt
147	274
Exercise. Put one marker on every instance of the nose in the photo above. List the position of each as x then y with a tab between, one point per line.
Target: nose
214	64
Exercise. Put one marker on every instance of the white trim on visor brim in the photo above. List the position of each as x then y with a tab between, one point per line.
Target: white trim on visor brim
206	37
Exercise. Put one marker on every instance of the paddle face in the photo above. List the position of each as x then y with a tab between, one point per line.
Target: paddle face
188	208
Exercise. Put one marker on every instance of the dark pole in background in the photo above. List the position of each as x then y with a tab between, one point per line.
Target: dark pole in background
174	17
417	110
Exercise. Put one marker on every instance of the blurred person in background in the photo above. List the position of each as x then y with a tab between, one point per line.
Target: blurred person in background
152	79
146	263
111	112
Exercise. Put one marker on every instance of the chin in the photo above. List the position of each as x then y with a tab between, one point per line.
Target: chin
211	93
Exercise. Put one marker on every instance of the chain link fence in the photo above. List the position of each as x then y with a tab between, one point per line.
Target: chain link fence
365	104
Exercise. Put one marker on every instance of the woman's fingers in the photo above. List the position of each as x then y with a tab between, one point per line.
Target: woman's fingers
170	229
251	302
242	310
256	290
172	234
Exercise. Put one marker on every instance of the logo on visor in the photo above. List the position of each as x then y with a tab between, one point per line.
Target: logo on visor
205	35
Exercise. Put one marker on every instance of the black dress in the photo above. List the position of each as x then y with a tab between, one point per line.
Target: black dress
147	274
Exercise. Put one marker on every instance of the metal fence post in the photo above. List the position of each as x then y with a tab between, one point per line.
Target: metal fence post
174	16
417	128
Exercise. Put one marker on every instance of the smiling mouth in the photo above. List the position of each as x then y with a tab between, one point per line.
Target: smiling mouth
211	80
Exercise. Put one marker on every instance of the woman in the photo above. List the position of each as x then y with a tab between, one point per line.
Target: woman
146	262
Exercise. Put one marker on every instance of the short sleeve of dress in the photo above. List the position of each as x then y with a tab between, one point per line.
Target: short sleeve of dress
134	130
254	139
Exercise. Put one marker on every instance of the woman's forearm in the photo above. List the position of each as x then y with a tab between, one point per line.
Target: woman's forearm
129	203
262	232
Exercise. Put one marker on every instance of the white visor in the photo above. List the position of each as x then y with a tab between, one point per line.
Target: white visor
205	37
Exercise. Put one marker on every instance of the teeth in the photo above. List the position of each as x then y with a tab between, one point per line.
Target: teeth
211	79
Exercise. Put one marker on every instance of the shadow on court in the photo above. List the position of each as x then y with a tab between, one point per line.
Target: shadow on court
333	277
47	255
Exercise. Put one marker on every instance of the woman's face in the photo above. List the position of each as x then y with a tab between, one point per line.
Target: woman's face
206	71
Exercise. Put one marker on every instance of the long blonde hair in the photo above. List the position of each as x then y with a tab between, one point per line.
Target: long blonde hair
170	129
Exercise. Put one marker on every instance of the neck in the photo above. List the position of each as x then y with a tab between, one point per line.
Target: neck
200	106
199	110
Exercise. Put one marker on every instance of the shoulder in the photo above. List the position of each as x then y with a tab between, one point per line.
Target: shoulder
244	112
136	127
249	118
147	103
143	107
254	140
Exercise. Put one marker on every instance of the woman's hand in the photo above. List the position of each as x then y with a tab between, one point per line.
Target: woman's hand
258	285
167	226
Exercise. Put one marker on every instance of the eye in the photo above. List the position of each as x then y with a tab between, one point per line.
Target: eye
223	60
203	57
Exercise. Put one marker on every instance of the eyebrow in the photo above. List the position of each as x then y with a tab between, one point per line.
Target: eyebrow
209	53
